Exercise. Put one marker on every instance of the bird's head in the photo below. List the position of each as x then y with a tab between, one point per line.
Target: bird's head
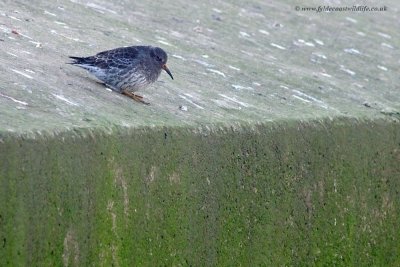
160	58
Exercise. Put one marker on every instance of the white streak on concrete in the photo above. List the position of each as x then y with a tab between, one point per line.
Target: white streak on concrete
305	97
278	46
59	22
325	74
299	93
240	87
309	44
302	99
28	70
100	8
387	45
164	43
67	37
234	68
234	100
301	41
319	55
65	100
11	54
177	34
319	42
5	29
37	44
179	57
14	18
224	104
192	96
263	32
201	62
352	51
189	95
23	74
351	20
71	38
384	35
361	33
244	34
217	72
15	100
217	10
247	53
348	71
49	13
358	85
26	36
190	101
382	67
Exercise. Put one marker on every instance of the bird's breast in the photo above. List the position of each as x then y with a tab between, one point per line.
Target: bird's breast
133	81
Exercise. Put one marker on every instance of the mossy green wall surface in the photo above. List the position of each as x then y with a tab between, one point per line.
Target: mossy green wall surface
324	193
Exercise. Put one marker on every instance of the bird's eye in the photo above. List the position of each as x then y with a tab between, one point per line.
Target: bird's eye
159	59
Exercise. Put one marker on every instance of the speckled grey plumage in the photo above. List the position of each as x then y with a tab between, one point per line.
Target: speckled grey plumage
126	68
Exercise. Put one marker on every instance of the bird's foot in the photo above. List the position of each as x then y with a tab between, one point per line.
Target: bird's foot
135	97
101	83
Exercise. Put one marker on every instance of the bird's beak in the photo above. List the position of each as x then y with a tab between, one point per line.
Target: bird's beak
167	70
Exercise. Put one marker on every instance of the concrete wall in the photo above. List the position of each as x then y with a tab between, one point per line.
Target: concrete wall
285	193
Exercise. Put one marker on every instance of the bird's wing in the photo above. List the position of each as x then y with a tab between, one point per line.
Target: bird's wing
117	58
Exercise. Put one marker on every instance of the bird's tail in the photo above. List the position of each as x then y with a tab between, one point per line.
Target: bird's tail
81	61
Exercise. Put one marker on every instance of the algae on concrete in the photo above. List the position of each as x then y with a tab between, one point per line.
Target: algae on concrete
275	194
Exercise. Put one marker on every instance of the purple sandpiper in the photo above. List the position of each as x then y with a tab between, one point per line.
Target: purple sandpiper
126	69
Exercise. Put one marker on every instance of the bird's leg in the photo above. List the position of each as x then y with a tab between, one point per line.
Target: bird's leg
137	98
